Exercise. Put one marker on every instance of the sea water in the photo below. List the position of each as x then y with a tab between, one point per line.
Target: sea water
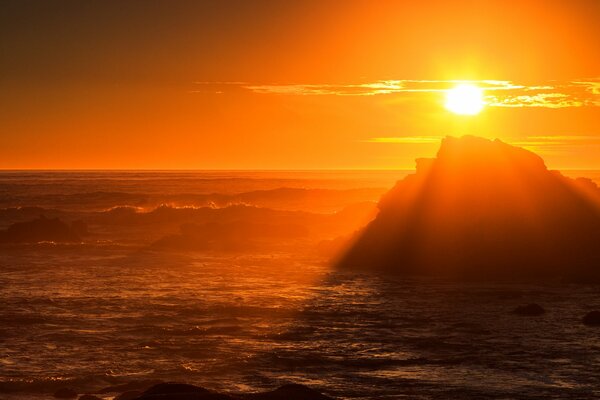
112	309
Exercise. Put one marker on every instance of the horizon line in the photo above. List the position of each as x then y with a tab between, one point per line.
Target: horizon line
198	169
2	170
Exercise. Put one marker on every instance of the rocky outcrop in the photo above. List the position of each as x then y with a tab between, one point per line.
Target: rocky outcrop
41	229
484	209
592	318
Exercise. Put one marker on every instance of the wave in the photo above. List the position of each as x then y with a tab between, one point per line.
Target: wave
319	200
239	227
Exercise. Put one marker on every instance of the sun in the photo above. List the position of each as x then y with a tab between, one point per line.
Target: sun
465	99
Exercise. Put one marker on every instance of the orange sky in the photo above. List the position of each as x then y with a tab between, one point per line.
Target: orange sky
291	85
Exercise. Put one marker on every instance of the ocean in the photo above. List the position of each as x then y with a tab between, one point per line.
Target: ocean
224	279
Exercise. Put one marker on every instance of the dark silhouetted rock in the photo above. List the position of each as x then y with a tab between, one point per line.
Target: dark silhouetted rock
592	318
529	310
89	397
39	230
486	210
65	393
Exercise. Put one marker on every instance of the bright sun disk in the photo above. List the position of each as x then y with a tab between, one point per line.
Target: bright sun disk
465	99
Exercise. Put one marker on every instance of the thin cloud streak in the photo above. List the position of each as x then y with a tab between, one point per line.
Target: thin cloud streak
499	93
547	100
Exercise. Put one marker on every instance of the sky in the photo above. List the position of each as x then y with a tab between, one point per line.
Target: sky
315	84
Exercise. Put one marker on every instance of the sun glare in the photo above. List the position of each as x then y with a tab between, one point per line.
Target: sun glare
465	99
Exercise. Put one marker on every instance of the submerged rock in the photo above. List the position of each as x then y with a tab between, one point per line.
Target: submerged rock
592	318
484	210
529	310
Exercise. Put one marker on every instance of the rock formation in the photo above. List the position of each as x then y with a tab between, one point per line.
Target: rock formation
484	209
41	229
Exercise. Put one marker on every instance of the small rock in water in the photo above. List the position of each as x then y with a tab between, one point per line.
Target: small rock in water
65	393
532	309
592	318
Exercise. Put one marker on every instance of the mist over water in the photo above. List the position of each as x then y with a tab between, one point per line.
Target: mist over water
114	308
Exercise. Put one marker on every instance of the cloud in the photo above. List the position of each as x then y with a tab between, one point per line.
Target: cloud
591	86
548	100
360	89
557	95
499	93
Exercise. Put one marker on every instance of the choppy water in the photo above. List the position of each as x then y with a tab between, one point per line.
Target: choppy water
90	315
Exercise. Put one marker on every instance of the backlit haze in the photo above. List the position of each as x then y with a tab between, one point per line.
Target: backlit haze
291	85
